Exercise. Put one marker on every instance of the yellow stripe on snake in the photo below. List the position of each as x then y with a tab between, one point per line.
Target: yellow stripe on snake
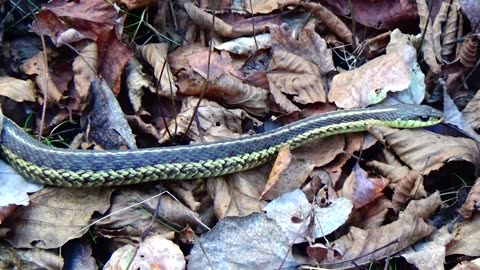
84	168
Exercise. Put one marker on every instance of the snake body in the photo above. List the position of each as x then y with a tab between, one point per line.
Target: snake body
85	168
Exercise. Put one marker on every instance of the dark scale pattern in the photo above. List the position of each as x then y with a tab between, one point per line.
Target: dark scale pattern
85	168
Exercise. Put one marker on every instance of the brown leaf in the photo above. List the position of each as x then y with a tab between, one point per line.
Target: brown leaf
427	36
37	66
370	83
288	173
16	89
136	82
238	194
156	55
403	189
85	71
309	45
289	74
131	215
426	151
371	215
66	211
330	20
190	64
113	57
362	189
472	203
466	239
215	122
366	245
155	252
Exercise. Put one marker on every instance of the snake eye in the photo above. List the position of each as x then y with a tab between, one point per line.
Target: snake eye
424	118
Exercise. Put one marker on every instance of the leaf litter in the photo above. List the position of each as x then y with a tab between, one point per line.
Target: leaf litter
128	74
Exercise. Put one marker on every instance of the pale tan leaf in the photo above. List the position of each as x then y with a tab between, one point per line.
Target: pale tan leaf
288	173
437	28
472	203
155	252
246	45
85	71
302	221
156	55
74	206
430	255
322	151
137	82
134	4
426	151
211	116
427	37
450	31
370	83
238	194
36	65
16	89
466	238
261	6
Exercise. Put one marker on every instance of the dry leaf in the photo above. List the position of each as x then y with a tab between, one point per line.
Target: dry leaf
131	215
16	89
155	252
302	221
466	239
246	45
238	194
288	173
289	74
373	244
224	246
426	151
472	203
370	83
136	83
156	55
361	189
85	71
426	34
430	255
66	211
37	66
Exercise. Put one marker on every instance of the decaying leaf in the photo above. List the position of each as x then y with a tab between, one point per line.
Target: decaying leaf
287	174
85	71
16	89
426	151
466	238
370	83
246	45
156	55
216	122
238	194
363	246
302	221
137	83
472	203
192	68
74	206
427	37
37	66
430	255
154	252
128	223
224	246
362	189
289	74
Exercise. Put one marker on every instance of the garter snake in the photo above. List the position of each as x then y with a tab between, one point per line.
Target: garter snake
85	168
